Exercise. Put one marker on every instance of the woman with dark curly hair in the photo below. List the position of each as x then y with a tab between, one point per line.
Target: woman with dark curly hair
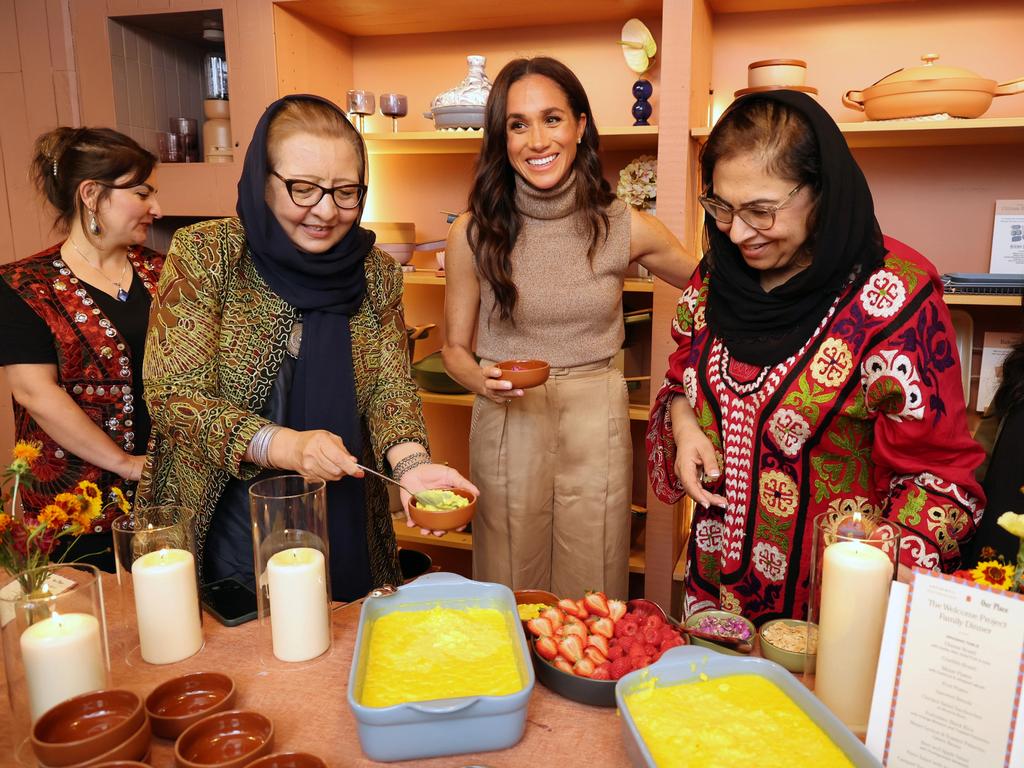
535	270
73	322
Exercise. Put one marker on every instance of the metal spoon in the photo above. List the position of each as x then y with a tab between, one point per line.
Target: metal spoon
427	498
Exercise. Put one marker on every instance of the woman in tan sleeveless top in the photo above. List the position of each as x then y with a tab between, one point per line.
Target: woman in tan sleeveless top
535	270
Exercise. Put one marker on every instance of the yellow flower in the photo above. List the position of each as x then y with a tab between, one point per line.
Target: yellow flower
29	452
53	517
994	574
83	520
71	503
5	522
91	493
120	500
1012	522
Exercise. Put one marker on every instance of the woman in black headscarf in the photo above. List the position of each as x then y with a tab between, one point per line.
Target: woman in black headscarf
817	367
278	345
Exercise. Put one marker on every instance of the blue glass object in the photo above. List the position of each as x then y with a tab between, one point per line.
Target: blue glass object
642	90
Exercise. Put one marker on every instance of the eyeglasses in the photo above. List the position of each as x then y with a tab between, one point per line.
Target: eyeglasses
755	216
307	194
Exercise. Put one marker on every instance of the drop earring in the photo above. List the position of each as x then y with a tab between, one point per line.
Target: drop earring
94	226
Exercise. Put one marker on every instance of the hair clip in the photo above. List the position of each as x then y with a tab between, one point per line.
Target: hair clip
55	167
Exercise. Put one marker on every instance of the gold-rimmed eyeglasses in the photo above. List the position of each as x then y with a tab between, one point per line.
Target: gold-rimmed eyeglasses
306	194
755	216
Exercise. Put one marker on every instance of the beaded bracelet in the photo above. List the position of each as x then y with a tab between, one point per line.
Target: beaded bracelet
411	461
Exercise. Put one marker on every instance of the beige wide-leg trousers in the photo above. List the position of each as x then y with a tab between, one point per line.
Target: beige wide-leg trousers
554	470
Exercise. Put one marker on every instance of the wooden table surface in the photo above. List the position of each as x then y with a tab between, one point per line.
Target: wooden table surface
309	708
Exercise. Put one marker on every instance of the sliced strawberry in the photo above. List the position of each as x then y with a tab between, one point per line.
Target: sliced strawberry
600	642
603	627
582	607
616	609
546	647
575	627
562	665
596	603
555	616
584	668
571	648
540	627
571	608
594	655
603	672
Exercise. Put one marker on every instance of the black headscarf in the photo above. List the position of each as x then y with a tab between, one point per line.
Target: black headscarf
327	289
764	328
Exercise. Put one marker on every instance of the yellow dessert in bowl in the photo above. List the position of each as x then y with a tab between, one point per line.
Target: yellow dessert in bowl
440	653
733	720
449	508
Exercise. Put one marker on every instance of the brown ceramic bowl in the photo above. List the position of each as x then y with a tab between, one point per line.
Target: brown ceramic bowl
449	519
224	740
534	597
134	748
524	373
289	760
86	726
174	705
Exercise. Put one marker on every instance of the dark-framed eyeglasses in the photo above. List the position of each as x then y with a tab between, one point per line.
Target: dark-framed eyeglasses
306	194
755	216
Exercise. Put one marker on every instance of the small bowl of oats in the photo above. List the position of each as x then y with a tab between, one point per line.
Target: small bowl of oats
784	641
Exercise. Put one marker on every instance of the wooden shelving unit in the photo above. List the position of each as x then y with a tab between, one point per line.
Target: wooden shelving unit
922	133
640	138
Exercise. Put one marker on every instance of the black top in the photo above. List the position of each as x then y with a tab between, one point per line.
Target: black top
1002	486
26	338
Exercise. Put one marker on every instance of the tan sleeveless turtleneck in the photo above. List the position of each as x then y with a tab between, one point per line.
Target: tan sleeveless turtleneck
569	310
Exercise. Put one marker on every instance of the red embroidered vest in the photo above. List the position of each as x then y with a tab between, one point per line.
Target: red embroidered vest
93	367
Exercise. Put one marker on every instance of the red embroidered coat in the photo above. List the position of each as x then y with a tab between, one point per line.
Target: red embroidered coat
869	414
93	366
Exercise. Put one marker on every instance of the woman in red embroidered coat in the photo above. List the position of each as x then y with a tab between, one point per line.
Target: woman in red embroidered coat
816	371
73	321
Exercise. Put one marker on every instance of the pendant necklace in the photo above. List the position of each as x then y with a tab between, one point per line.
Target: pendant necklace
122	294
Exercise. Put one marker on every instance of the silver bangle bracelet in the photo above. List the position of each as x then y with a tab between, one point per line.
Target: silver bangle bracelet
259	446
411	461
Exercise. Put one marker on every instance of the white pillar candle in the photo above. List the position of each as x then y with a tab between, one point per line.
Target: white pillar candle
855	585
167	606
63	657
300	618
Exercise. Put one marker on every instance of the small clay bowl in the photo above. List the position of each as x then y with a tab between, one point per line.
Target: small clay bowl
86	726
694	620
524	373
289	760
174	705
447	520
794	661
224	740
134	748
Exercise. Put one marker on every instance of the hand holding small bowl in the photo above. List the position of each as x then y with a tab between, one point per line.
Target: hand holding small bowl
438	477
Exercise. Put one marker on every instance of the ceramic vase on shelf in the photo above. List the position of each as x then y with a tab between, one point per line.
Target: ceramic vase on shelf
854	561
291	559
54	643
642	91
462	107
156	571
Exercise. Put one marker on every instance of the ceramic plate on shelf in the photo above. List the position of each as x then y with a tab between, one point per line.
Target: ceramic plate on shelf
963	326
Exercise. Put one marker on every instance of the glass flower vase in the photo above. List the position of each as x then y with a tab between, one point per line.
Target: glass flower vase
54	637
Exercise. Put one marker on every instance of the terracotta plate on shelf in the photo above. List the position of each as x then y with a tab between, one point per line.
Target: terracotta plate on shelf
764	88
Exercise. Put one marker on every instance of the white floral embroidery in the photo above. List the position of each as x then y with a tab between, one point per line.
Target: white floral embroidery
832	363
883	294
685	306
789	430
708	536
769	561
690	385
892	385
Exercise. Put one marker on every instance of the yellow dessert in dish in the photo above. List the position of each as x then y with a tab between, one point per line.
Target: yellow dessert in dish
529	611
736	720
440	653
440	501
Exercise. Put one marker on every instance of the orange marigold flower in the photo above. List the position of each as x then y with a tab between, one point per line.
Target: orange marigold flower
53	517
27	451
994	574
5	522
71	503
83	520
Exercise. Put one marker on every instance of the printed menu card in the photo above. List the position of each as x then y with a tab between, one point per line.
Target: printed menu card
958	673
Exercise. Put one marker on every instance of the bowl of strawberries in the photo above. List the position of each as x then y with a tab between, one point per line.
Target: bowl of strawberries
582	647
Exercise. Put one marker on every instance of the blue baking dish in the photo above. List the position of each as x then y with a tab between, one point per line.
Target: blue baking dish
423	729
687	663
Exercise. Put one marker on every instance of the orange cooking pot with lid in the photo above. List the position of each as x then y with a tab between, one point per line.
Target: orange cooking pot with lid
928	90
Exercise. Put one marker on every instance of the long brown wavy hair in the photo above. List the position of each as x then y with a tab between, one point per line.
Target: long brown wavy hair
495	222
